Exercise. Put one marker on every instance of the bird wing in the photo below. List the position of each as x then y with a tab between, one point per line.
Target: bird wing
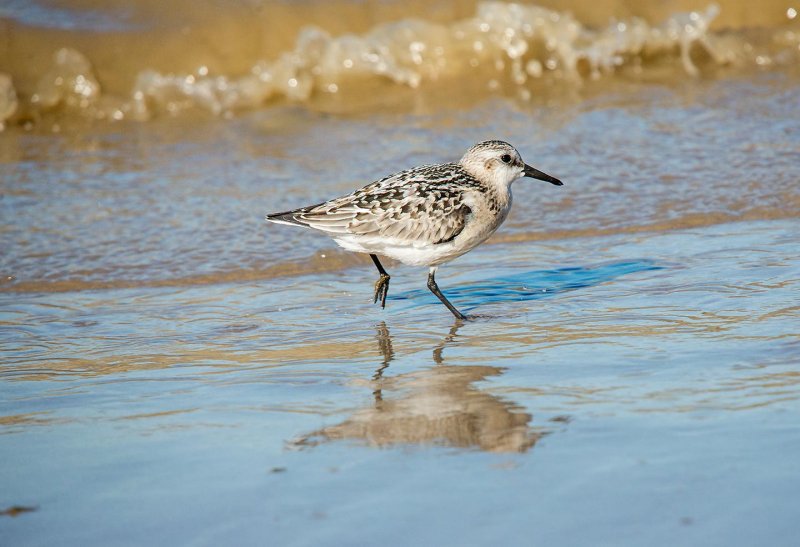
411	207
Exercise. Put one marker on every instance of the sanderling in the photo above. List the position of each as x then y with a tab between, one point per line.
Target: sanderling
424	216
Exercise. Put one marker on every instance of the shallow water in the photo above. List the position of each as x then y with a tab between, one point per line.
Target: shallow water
651	395
176	371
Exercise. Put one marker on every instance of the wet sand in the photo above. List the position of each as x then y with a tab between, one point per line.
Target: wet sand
648	390
176	371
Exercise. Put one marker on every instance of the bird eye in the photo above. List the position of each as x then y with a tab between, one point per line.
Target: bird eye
505	158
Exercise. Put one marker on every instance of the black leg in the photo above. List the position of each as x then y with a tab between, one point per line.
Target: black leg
382	284
435	290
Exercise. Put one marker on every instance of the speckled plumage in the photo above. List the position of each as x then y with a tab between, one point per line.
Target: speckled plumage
424	216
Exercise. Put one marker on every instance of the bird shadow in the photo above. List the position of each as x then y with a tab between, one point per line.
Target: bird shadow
531	285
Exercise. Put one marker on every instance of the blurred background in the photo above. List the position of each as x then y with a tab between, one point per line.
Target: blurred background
136	60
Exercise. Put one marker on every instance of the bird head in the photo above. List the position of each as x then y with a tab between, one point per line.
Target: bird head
500	163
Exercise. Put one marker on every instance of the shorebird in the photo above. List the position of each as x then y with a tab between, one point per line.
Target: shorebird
424	216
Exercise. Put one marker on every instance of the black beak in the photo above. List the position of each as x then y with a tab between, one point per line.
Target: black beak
536	174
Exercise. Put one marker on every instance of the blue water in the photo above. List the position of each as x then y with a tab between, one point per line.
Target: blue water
642	401
48	14
173	370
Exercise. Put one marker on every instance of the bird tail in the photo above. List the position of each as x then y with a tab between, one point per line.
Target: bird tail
311	217
286	217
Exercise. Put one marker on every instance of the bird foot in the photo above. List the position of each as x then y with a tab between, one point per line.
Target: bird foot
381	289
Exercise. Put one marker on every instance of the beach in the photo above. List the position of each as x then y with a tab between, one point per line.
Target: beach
175	370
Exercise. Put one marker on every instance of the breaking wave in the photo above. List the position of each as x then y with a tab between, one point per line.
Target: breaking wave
503	47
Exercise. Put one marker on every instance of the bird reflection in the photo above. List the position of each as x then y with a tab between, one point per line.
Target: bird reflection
439	405
385	347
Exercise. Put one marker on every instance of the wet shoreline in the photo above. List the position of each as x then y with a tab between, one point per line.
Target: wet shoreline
176	371
337	260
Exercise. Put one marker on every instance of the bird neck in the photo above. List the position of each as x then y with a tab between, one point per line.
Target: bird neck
498	195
